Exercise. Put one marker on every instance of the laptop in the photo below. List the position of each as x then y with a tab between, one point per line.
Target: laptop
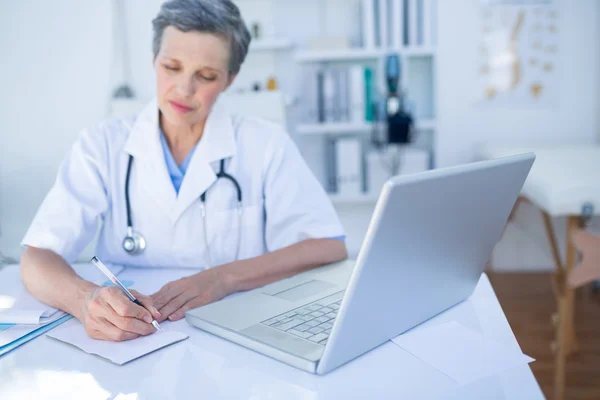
427	244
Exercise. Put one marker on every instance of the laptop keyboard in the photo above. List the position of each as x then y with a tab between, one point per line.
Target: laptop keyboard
311	322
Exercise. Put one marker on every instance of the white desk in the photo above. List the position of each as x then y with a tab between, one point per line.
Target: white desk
208	367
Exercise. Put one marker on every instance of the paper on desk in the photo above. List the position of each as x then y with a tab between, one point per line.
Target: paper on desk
18	306
119	353
461	353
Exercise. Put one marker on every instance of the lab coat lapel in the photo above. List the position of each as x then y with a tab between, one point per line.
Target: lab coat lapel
217	142
149	168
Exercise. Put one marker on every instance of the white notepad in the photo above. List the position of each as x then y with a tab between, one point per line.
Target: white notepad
120	353
461	353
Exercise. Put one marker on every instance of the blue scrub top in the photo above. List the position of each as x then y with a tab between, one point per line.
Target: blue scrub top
178	172
175	172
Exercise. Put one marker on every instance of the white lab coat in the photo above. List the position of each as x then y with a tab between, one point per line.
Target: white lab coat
283	203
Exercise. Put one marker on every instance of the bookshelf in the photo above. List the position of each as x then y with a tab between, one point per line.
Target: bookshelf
340	118
296	65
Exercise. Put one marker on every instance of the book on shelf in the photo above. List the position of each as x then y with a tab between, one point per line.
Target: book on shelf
356	93
396	23
344	94
320	96
370	88
348	167
367	13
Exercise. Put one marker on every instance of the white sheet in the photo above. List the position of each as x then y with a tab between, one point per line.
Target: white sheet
72	332
461	353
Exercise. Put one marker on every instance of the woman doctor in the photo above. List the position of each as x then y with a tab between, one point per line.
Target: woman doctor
184	184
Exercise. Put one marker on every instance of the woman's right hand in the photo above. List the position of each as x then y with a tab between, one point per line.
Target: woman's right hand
108	314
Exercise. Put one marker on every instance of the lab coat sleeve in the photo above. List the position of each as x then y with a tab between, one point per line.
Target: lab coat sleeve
296	205
68	217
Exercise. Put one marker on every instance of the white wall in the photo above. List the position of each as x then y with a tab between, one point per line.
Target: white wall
54	76
462	124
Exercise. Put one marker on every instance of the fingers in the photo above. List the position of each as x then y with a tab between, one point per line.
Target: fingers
100	328
124	307
190	305
125	315
167	293
103	322
147	302
173	306
113	333
179	313
132	325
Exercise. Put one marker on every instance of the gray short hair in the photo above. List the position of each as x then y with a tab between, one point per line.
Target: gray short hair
220	17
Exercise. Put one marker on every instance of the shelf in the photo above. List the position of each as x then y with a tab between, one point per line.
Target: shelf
337	55
270	44
346	128
335	128
416	51
365	198
358	54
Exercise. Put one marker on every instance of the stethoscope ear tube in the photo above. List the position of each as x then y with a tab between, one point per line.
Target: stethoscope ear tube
127	203
223	174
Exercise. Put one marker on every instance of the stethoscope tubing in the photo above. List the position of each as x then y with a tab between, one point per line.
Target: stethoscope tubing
220	174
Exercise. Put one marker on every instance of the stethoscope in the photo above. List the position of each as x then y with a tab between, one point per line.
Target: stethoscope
134	243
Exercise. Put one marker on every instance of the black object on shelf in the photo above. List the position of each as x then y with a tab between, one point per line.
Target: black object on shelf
399	123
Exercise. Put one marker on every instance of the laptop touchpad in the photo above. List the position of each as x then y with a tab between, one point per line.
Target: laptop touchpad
304	290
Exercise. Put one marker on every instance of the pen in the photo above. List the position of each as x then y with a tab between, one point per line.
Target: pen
114	280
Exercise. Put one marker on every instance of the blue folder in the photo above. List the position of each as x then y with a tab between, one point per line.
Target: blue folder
31	335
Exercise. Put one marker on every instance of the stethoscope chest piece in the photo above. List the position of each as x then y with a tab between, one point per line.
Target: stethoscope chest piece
134	243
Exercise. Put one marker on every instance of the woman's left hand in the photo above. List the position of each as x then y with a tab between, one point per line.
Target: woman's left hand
177	297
